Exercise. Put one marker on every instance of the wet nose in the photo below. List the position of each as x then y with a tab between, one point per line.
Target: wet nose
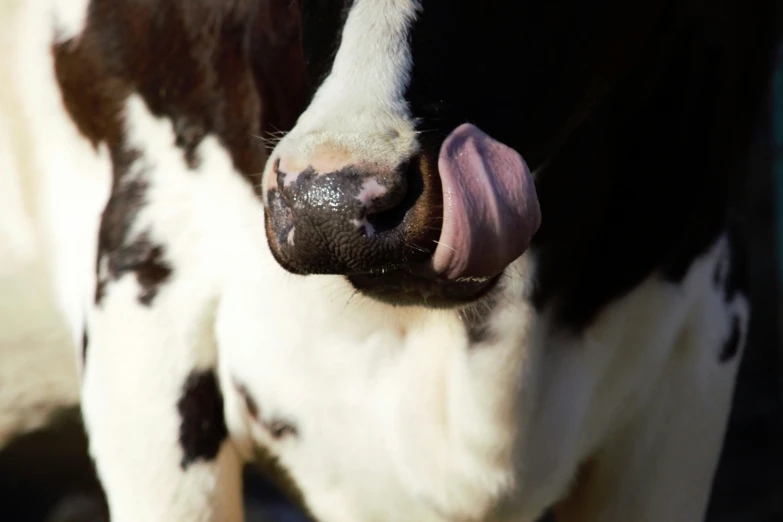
342	219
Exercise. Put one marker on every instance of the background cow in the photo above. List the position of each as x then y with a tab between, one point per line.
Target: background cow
623	321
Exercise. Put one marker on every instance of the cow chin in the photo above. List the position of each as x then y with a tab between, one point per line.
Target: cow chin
396	283
402	288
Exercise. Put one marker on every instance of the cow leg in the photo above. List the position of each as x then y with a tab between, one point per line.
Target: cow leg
154	415
661	466
151	397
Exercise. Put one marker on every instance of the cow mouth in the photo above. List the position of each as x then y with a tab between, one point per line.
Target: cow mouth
446	241
404	288
490	214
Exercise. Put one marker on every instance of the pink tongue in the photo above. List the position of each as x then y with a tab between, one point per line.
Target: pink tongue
490	208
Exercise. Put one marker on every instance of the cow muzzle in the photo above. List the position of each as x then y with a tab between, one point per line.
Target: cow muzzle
436	229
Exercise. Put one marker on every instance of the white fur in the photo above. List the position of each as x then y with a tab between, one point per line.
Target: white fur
399	420
397	417
359	111
70	17
46	216
69	179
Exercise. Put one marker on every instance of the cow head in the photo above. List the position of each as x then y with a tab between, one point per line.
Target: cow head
404	173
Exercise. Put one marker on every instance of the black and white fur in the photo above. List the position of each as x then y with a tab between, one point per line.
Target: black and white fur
610	404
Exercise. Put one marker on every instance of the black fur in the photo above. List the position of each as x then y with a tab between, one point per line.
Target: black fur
638	114
202	424
731	346
85	342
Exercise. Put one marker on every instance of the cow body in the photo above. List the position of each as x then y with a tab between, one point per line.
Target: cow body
594	372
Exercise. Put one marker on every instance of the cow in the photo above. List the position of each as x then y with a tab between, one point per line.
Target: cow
491	272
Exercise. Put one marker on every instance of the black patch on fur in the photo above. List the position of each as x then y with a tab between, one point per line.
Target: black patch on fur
119	250
718	274
151	272
548	516
732	344
731	273
641	112
202	423
276	427
264	458
322	29
731	276
280	428
85	342
100	289
233	70
207	67
123	253
250	403
476	317
737	273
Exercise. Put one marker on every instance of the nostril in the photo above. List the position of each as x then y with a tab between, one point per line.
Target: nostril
357	219
386	220
391	216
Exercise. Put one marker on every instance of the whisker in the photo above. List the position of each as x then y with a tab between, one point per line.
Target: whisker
444	244
350	298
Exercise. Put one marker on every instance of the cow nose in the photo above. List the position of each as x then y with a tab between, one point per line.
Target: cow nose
351	219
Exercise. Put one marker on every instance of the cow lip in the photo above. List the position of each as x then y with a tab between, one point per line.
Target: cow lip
405	287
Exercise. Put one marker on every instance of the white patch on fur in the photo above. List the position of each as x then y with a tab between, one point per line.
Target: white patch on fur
658	456
370	190
365	116
400	419
67	178
51	187
70	18
290	178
